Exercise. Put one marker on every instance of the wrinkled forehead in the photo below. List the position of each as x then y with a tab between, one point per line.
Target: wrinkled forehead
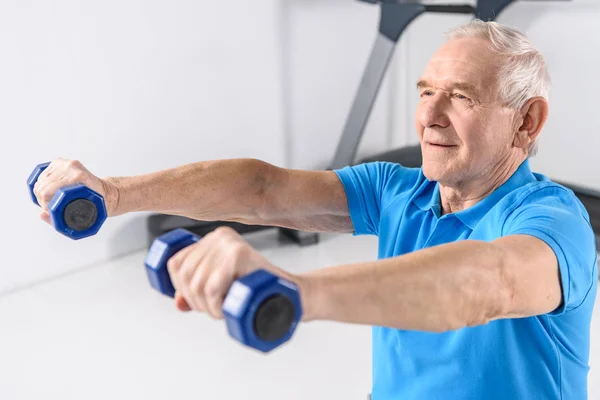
463	60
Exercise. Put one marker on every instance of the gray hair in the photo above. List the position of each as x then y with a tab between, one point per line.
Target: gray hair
524	72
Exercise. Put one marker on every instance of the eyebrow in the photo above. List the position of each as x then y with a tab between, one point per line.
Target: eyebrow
421	83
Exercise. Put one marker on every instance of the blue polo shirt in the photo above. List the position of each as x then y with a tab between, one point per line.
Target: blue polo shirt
540	357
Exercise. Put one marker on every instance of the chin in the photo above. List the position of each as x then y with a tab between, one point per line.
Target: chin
437	171
431	171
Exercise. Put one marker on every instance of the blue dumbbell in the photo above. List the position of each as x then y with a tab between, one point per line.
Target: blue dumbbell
76	211
261	310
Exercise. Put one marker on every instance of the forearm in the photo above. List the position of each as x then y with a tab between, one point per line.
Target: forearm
436	289
209	190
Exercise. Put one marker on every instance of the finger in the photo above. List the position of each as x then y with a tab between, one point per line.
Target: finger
182	253
215	291
196	275
47	172
211	266
173	266
45	190
197	264
45	216
189	260
50	171
196	287
181	304
222	266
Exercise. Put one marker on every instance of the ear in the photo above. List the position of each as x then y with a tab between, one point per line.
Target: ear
532	118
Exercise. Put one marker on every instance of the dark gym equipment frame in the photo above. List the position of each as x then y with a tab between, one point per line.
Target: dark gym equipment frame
395	16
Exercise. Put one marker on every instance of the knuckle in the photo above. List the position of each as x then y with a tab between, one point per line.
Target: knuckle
239	250
211	292
74	164
197	285
44	174
78	175
173	264
213	309
208	236
215	315
224	230
45	195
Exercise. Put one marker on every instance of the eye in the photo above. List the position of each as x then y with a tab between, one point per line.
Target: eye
460	96
426	93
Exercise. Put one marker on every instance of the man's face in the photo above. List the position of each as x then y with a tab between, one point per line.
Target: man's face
463	129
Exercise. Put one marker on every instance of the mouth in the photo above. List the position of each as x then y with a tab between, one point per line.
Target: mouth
441	145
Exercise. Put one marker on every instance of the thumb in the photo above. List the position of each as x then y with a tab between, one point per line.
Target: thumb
180	303
45	216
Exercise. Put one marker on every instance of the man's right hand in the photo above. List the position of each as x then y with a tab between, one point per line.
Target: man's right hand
62	172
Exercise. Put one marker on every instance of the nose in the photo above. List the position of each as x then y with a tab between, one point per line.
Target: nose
432	111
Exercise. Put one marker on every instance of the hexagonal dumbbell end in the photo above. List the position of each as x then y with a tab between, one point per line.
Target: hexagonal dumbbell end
262	310
33	177
163	248
76	211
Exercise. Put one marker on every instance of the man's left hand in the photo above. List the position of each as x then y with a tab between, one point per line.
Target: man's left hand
202	273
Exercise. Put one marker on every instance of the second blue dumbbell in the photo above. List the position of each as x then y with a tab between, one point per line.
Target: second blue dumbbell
76	211
261	310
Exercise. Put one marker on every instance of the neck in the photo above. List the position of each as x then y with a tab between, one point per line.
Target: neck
457	197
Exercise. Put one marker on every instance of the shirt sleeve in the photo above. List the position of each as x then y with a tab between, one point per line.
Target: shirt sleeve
369	187
555	215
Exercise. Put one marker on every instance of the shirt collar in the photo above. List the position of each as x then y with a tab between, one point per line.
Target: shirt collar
429	199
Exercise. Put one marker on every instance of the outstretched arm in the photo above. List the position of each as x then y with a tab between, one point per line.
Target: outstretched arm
249	191
441	288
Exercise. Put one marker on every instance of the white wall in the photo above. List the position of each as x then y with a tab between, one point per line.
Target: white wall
134	86
126	87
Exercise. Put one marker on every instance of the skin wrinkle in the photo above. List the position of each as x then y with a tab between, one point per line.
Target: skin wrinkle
469	177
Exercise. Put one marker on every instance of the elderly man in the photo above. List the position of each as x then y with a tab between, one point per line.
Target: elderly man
487	272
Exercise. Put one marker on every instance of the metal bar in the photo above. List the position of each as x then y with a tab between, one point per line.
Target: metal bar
394	19
488	10
451	9
363	102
